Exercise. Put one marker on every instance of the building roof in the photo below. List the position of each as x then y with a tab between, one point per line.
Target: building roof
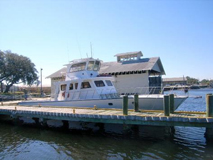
146	64
175	79
129	53
58	73
153	65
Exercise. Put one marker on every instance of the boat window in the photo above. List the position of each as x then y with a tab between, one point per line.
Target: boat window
90	65
99	84
71	87
76	85
63	87
109	83
85	85
96	66
78	67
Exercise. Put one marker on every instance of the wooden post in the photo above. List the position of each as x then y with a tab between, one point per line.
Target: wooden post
209	105
2	101
65	124
136	104
44	122
166	105
209	134
125	105
36	121
171	103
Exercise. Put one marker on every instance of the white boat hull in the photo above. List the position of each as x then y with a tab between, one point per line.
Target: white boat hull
145	102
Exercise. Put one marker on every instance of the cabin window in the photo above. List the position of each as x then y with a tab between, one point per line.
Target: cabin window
71	87
78	67
85	85
109	83
90	65
63	87
76	85
96	66
99	84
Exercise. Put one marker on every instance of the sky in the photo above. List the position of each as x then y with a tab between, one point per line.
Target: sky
53	32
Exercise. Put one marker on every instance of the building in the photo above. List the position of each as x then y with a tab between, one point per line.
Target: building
174	81
130	72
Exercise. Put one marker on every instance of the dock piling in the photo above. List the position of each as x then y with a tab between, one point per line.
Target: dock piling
136	105
171	103
166	105
209	105
125	105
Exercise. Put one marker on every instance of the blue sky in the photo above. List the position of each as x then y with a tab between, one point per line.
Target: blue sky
53	32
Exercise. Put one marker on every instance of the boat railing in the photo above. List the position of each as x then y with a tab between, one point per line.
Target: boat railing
112	93
90	94
139	90
150	91
176	90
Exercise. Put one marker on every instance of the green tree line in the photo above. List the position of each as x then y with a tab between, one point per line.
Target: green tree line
192	81
15	69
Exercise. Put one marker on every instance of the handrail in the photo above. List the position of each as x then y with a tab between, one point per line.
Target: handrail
85	93
112	93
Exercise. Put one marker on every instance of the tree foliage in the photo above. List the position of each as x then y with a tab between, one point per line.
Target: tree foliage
192	81
16	69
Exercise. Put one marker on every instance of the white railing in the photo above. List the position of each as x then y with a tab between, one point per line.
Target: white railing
112	93
151	90
88	94
139	90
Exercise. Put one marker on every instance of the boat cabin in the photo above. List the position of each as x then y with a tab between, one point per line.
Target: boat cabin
82	82
82	68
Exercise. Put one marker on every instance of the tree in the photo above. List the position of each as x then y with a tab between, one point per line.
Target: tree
16	69
192	81
205	82
2	66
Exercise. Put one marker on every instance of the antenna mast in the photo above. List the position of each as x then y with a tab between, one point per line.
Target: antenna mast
91	48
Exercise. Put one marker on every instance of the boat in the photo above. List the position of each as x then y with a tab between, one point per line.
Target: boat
84	87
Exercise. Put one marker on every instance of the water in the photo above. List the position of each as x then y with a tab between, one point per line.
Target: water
19	142
194	102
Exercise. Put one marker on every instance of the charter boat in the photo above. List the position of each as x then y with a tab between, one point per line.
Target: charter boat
84	87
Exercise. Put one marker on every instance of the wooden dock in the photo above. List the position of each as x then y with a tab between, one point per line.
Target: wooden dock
155	118
41	115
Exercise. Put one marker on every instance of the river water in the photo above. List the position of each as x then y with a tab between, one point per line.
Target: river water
20	142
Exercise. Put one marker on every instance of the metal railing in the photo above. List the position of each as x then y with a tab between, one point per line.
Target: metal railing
150	91
87	94
112	93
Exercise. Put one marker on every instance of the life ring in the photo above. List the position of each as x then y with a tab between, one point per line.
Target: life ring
63	94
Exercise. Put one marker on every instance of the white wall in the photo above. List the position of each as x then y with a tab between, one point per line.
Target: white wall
132	83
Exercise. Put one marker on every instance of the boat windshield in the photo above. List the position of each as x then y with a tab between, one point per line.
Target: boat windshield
78	67
90	65
96	66
93	65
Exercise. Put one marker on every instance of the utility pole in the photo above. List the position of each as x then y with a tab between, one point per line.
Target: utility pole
41	84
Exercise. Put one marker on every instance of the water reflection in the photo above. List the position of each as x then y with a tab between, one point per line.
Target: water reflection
19	142
32	143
